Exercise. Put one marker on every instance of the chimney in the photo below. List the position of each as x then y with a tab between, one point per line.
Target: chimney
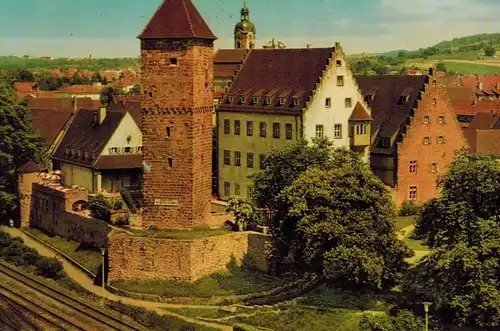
480	86
101	115
75	104
498	86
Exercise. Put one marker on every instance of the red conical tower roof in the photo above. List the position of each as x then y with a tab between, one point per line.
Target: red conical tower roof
177	19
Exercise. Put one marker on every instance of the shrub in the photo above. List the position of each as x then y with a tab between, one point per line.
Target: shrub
30	256
49	268
100	208
409	208
244	213
118	205
13	252
127	197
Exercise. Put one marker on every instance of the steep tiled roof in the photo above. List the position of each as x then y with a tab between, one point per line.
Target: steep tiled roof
483	141
131	104
107	162
360	114
26	87
277	74
388	112
177	19
484	121
85	135
49	122
230	55
83	89
61	104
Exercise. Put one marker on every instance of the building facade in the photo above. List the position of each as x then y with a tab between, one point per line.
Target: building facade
177	103
275	99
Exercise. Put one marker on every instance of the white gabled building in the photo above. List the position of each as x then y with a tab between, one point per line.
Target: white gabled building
337	108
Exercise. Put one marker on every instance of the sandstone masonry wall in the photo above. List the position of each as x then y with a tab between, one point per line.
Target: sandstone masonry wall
141	258
25	190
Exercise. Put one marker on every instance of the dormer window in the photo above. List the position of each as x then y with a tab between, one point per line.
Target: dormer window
86	155
282	101
255	100
385	142
72	152
231	99
243	99
66	151
296	101
403	100
93	156
79	153
268	101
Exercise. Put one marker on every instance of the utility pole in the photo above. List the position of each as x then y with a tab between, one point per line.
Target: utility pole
103	253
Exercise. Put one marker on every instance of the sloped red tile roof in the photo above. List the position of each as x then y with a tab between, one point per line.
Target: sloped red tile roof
275	71
30	167
177	19
489	82
129	103
50	122
85	136
80	89
360	114
388	113
471	109
109	162
484	121
230	55
26	87
59	104
45	94
483	141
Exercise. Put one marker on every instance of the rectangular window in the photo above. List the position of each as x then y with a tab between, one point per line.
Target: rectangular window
282	101
441	140
237	159
440	119
250	160
227	188
249	191
328	102
276	130
413	192
237	127
434	167
319	131
227	157
243	99
236	189
262	160
255	100
427	119
348	102
231	99
268	101
296	101
361	129
127	150
173	61
168	131
249	128
337	132
288	129
340	80
227	127
413	167
170	162
427	141
262	129
339	63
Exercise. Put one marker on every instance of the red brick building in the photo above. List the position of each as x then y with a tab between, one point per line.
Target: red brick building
415	134
177	104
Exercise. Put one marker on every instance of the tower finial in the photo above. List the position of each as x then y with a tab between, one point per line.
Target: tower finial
245	3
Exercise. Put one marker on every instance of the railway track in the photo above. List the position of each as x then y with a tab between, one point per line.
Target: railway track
50	319
99	319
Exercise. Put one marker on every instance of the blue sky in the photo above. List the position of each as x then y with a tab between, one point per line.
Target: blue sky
108	28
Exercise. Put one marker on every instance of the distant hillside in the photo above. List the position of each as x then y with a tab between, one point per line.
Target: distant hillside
465	55
36	64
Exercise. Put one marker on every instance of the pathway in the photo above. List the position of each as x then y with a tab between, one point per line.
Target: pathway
84	281
405	233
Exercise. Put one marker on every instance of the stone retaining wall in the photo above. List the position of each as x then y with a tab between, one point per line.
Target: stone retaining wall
141	258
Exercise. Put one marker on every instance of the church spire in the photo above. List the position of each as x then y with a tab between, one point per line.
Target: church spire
244	31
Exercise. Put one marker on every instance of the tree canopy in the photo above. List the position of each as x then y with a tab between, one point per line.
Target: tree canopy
462	227
19	143
329	215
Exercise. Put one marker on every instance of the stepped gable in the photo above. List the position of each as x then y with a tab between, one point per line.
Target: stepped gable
277	74
384	94
177	19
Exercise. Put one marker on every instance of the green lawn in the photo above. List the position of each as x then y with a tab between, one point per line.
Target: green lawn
201	312
234	282
472	69
196	233
90	258
327	297
404	221
416	245
297	319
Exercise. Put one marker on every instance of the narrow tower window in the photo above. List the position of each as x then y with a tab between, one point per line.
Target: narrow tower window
170	162
173	61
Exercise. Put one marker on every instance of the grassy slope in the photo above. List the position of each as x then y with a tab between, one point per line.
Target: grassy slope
89	258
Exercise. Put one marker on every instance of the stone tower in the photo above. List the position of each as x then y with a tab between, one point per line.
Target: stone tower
177	103
244	31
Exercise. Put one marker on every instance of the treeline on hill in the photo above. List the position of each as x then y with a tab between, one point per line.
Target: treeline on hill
65	63
397	61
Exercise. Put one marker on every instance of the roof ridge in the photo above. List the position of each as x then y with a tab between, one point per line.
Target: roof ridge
188	17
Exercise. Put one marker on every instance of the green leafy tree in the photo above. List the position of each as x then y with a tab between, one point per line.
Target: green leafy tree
403	320
100	208
136	90
76	79
381	69
329	215
19	143
244	212
489	50
49	268
440	66
462	227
